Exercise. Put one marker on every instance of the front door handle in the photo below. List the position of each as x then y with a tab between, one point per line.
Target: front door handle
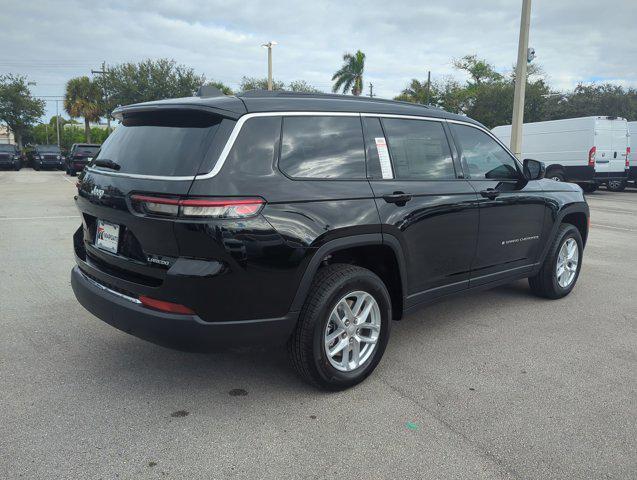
490	193
615	155
399	198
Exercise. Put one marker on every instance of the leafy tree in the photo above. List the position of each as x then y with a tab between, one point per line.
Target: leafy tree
18	109
225	89
302	86
604	99
83	98
479	70
148	80
71	133
254	83
420	92
350	75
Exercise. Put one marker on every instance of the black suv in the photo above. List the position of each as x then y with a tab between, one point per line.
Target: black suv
10	156
47	156
309	219
79	156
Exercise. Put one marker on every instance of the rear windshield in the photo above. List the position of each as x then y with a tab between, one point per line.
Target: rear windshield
168	143
86	150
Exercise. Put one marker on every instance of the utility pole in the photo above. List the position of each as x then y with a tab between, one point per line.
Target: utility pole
104	71
269	46
520	79
428	87
57	121
371	90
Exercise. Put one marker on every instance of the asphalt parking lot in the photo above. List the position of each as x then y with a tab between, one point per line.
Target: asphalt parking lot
498	384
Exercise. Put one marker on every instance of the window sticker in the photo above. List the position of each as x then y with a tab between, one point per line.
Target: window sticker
383	156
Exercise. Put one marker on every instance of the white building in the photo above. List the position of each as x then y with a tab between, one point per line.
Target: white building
6	135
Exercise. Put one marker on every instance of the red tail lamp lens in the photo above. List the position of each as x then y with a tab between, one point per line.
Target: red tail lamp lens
591	156
199	207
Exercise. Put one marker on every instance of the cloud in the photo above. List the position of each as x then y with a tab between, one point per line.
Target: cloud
575	40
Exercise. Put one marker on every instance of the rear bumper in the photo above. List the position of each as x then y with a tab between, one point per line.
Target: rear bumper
632	173
603	177
183	332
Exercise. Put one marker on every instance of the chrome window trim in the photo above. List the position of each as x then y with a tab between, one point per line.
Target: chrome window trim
243	119
404	117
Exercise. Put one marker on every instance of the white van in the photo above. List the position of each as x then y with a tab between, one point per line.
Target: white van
589	151
632	156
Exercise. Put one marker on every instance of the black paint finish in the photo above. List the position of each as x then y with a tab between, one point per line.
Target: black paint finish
447	236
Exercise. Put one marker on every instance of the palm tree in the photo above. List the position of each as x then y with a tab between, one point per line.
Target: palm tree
83	98
350	75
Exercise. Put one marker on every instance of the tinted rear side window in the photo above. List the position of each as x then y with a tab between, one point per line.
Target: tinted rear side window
322	147
169	143
254	149
419	149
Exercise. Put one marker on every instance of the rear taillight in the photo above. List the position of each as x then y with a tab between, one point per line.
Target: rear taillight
627	157
165	306
198	207
591	156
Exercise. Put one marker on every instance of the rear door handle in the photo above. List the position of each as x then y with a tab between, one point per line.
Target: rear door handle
490	193
397	198
615	155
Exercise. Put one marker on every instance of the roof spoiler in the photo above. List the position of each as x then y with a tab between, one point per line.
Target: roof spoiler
208	91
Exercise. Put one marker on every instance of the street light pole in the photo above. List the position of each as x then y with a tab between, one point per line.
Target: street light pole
269	46
57	121
520	80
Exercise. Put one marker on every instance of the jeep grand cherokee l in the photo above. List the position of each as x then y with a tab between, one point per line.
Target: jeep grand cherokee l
314	220
79	155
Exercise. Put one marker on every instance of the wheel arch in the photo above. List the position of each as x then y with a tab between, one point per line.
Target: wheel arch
576	214
556	168
369	251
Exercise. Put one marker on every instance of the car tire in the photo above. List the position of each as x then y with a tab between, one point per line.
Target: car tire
547	283
36	167
616	185
590	187
556	175
17	167
324	315
72	172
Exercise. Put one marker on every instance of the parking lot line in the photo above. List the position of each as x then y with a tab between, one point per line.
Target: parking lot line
614	228
40	218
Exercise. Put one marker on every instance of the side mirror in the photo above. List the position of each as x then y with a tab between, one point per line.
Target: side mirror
533	170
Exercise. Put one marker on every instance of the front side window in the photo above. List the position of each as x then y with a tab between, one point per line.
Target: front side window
322	147
482	157
419	150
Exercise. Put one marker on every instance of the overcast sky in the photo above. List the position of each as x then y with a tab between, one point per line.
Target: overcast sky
575	40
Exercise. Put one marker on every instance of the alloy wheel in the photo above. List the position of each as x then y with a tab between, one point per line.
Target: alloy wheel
352	331
567	263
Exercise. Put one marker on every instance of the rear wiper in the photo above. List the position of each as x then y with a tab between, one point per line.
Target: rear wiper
106	163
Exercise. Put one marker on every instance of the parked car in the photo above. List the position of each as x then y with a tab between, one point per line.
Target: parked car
314	220
47	156
590	151
10	156
631	160
79	155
